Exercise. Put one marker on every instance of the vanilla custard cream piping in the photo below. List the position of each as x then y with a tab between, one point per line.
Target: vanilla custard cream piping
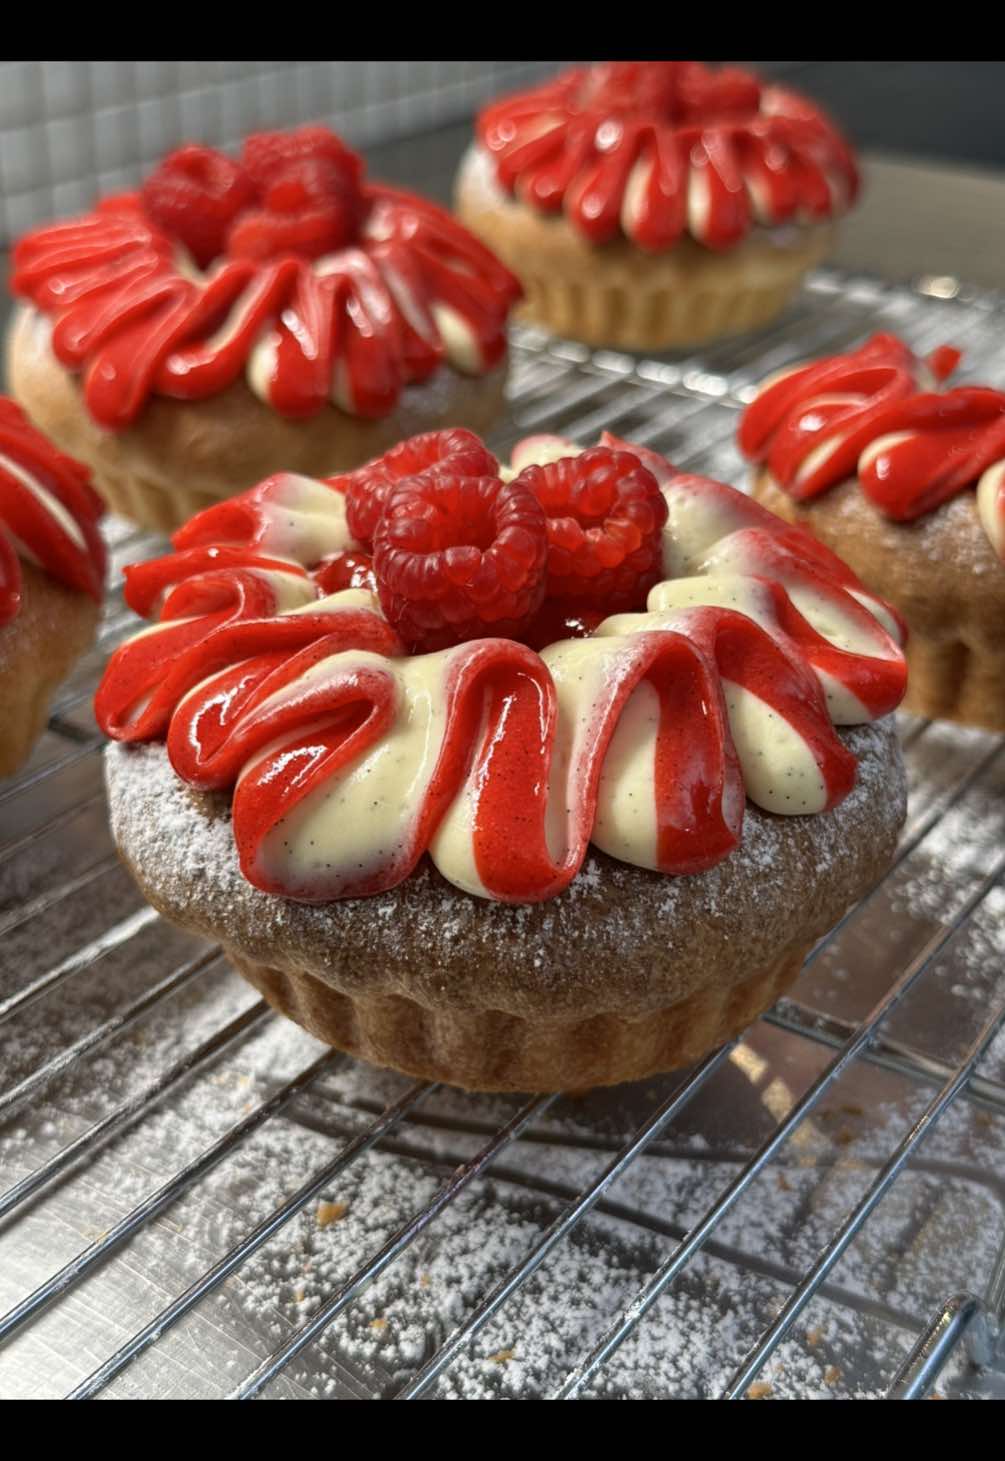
362	819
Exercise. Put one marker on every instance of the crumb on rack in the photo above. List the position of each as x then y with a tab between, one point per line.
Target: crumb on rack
330	1212
831	1375
814	1336
760	1390
378	1324
502	1356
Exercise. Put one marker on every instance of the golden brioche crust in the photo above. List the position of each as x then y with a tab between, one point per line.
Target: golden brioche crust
941	573
618	296
489	1050
181	456
626	973
52	628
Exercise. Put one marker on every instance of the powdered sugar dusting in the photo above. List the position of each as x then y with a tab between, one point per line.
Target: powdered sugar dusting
550	952
935	1233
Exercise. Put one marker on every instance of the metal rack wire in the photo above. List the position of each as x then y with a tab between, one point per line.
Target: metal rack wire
113	1028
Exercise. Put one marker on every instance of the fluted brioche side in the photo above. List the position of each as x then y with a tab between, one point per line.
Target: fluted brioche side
652	318
617	295
625	973
148	502
489	1050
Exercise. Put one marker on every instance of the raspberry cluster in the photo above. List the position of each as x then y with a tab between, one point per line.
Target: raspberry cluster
457	553
684	91
296	192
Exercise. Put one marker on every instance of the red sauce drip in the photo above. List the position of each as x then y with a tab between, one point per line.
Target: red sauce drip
28	521
837	407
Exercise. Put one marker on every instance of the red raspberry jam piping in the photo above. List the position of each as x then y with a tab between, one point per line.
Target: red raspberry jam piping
870	414
655	149
506	764
49	513
412	291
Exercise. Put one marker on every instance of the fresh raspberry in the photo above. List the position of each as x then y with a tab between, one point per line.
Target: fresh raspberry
268	153
605	517
367	488
634	86
315	183
310	189
682	91
726	93
259	234
299	185
195	195
345	570
459	557
366	491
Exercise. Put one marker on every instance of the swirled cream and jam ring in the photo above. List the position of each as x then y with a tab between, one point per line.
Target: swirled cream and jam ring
349	758
877	414
654	150
131	310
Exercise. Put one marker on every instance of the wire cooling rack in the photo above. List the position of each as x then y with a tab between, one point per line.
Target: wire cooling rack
197	1199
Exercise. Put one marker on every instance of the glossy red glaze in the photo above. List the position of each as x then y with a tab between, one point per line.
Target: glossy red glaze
208	681
356	326
657	148
501	712
345	570
48	511
812	427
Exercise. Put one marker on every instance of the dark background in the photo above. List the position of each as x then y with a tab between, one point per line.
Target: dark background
949	110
